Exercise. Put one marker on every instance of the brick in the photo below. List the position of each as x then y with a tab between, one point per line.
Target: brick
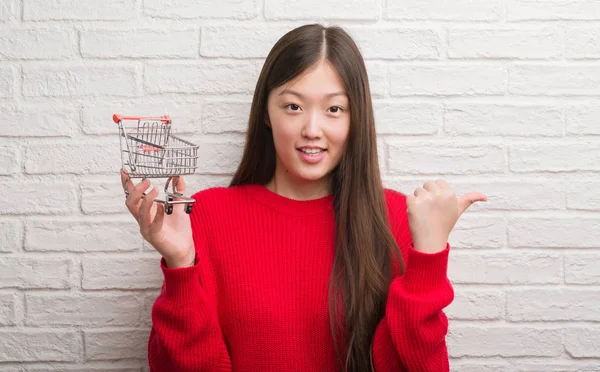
404	185
86	158
449	158
11	236
242	41
7	10
10	368
134	272
219	157
91	310
515	194
38	43
505	268
121	344
140	43
480	304
100	197
383	43
582	268
229	9
9	160
39	120
581	119
558	366
7	82
26	273
559	157
478	366
456	10
146	310
555	232
410	118
8	308
553	80
526	10
573	304
33	198
485	119
185	114
79	81
479	232
84	10
333	9
210	77
522	43
583	342
82	236
382	155
582	42
85	368
446	80
378	78
505	341
22	345
225	116
583	195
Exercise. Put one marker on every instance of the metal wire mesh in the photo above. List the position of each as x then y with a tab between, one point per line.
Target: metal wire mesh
151	151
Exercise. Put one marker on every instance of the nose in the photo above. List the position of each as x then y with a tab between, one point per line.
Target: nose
312	128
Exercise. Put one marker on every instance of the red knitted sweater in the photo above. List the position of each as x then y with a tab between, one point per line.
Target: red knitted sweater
257	298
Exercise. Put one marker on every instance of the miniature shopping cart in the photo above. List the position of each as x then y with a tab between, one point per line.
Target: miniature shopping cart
150	150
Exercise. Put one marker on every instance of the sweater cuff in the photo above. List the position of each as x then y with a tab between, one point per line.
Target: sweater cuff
426	271
181	284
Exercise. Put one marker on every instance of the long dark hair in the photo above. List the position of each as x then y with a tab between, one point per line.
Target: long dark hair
364	246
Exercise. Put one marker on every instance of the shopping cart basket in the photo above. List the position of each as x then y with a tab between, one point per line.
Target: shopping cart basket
150	150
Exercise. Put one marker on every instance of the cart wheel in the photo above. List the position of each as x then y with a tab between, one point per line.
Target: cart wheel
169	209
188	209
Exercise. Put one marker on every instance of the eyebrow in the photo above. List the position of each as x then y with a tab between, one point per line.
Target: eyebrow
290	91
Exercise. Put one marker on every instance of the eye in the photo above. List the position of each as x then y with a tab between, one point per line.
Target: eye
294	107
336	109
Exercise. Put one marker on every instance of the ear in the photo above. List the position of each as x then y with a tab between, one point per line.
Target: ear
267	121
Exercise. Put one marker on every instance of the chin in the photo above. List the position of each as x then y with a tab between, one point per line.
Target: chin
312	175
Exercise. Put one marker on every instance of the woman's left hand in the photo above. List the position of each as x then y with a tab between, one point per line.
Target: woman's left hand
432	213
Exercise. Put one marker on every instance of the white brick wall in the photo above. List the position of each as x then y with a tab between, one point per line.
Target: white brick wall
501	96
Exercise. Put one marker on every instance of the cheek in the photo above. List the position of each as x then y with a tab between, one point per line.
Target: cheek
283	134
339	135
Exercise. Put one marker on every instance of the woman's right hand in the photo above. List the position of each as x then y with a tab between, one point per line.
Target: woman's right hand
170	235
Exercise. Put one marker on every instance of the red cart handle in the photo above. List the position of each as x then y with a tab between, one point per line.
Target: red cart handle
165	118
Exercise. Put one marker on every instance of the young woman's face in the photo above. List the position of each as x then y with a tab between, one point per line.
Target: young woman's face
310	120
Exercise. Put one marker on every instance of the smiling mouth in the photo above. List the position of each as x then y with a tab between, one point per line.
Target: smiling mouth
312	152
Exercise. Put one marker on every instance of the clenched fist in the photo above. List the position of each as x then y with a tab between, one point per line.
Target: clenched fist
432	213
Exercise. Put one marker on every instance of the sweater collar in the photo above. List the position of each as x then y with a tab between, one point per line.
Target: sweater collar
290	206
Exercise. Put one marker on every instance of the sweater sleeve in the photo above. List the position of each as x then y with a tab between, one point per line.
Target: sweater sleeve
185	334
411	335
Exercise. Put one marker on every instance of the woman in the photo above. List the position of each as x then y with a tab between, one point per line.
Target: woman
305	262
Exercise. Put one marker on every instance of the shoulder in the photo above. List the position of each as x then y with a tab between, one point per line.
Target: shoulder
217	195
394	197
215	207
396	203
216	201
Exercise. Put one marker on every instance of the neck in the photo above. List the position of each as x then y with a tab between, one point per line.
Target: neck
298	189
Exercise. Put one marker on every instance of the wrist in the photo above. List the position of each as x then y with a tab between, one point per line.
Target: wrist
188	261
430	247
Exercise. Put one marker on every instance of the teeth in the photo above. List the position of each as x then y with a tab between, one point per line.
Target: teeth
311	151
